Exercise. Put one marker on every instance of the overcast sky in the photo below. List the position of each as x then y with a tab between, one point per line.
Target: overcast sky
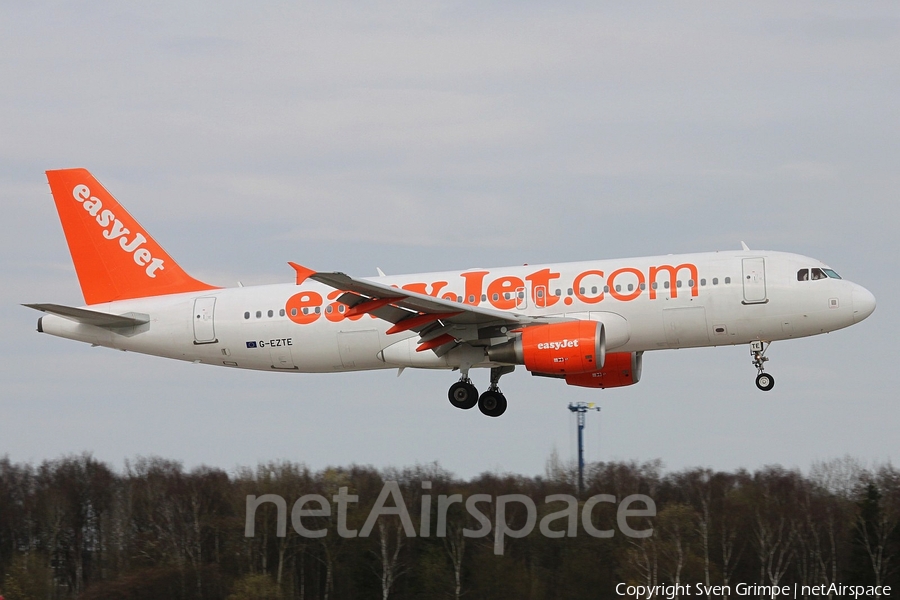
420	136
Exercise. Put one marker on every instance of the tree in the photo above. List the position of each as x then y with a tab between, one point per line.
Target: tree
28	578
774	524
676	526
875	526
256	587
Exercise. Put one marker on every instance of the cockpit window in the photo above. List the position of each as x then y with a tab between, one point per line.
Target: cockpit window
803	275
831	274
817	274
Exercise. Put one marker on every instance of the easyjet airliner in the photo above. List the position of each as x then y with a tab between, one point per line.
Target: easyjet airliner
587	323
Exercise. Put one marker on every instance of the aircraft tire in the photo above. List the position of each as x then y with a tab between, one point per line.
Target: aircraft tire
765	382
463	395
492	404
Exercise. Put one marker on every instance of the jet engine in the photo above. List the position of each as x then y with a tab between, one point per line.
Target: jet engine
564	349
619	370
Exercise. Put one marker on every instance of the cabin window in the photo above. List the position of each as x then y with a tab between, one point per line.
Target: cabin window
678	283
484	297
630	287
666	284
643	286
605	289
715	281
540	293
459	298
558	292
342	308
318	310
817	274
271	314
293	312
472	299
690	283
246	315
495	297
728	280
618	288
654	285
520	295
259	314
581	290
328	309
594	289
703	282
281	313
306	310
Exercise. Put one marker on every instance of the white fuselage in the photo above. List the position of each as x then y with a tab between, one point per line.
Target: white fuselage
717	298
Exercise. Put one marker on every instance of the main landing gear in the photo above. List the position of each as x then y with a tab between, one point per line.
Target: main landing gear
463	394
492	403
764	381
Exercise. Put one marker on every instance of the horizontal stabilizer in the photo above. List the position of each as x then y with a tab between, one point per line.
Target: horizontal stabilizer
92	317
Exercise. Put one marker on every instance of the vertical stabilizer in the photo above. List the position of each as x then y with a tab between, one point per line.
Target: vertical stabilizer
115	258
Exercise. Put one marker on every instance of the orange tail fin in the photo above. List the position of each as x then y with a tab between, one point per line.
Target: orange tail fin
115	258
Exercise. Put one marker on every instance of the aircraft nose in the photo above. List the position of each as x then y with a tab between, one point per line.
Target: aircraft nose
863	303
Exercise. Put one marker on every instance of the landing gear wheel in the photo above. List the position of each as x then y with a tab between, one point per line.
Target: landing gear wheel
765	382
758	348
463	395
492	403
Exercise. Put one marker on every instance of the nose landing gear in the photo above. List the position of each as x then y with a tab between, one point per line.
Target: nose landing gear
764	381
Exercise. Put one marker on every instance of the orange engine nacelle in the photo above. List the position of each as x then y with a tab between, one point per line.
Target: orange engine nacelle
556	349
619	370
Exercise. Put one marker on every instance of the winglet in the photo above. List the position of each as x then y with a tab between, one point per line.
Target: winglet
115	258
744	246
302	272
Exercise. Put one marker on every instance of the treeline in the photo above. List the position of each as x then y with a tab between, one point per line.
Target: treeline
75	528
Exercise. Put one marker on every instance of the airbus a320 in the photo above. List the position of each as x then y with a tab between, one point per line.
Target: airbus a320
586	323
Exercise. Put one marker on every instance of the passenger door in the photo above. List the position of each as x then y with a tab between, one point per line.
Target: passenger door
204	321
754	281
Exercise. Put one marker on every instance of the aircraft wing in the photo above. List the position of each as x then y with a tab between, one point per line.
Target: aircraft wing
438	321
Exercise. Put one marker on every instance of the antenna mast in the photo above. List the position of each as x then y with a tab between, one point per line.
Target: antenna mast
580	409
